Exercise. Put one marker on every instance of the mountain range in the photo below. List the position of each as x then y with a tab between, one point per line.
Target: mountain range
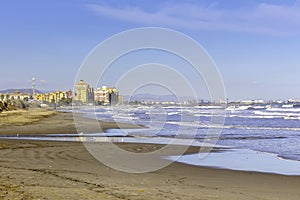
24	91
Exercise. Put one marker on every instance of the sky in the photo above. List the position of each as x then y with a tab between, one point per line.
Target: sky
255	44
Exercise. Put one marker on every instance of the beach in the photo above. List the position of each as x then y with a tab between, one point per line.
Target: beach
65	170
43	121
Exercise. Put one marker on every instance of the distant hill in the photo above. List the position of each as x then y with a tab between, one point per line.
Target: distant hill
26	90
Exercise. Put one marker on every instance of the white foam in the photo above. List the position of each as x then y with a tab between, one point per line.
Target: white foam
243	160
124	116
256	116
276	113
174	113
211	107
218	126
237	108
291	118
287	106
259	107
286	109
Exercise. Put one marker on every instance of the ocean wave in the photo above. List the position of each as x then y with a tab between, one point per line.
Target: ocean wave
210	107
289	109
256	116
291	118
237	108
129	117
284	114
218	126
173	113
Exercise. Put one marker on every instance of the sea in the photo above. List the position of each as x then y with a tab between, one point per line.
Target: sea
263	138
261	128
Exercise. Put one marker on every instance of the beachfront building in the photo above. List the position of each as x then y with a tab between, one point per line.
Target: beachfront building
50	97
39	96
69	94
56	97
107	96
101	96
113	96
84	93
16	95
21	96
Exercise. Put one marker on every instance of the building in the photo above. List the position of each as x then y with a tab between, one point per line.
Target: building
113	96
59	97
17	95
101	96
69	94
84	93
40	97
105	96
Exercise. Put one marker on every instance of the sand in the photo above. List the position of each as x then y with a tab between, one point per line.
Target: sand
65	170
22	117
43	121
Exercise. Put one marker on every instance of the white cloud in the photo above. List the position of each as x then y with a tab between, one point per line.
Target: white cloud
262	18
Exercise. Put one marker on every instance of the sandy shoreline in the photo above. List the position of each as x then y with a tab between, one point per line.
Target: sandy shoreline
65	170
60	170
40	121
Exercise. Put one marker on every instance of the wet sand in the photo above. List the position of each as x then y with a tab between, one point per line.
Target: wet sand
65	170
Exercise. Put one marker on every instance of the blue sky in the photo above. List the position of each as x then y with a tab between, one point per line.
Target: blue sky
254	43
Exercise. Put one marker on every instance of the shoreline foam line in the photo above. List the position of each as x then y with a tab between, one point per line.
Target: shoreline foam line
243	160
